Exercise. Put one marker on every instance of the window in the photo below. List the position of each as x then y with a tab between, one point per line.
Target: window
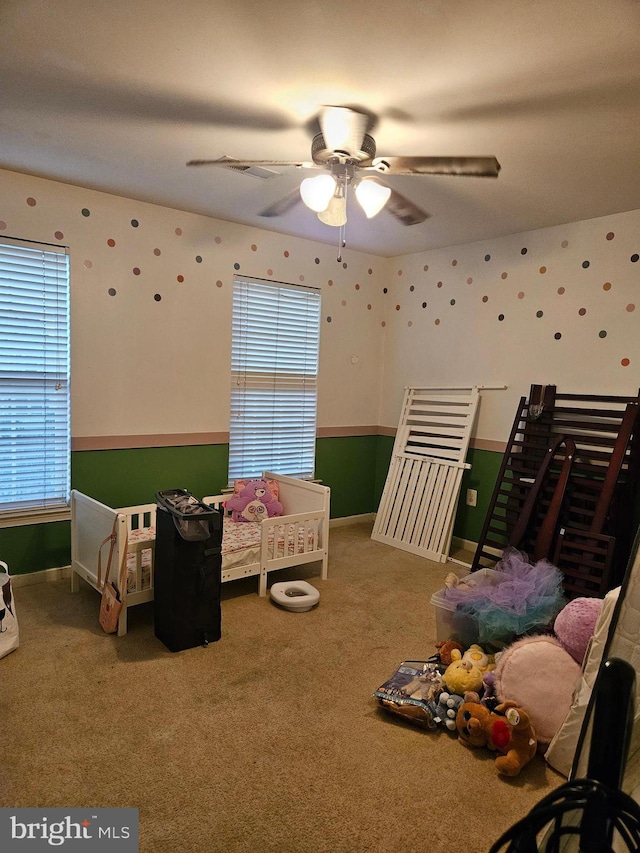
34	382
274	375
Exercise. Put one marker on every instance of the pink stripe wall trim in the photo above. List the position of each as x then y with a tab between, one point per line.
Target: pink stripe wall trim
488	444
124	442
475	443
339	432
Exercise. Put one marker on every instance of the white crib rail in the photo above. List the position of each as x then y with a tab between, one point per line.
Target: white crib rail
420	496
290	540
138	518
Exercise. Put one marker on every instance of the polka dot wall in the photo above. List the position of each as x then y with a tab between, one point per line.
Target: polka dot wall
149	283
558	305
435	290
555	305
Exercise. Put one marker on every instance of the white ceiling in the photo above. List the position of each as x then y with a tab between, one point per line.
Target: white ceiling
118	96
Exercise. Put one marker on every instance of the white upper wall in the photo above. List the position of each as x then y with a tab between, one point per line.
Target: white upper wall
150	349
554	306
151	308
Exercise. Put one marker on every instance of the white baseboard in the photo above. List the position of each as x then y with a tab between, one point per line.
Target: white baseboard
351	519
470	545
458	544
44	576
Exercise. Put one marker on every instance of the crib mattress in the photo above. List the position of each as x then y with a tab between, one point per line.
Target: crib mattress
241	541
240	547
144	534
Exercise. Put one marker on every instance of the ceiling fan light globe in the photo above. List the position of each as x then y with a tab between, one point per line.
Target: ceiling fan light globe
317	192
336	212
372	197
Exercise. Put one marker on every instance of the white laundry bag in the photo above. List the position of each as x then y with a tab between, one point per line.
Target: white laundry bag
9	636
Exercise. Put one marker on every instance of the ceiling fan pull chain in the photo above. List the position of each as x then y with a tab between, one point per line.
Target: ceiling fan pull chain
343	235
342	231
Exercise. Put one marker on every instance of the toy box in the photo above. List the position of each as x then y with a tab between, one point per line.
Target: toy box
451	622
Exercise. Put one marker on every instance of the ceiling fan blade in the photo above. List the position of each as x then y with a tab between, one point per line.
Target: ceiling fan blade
241	165
343	129
404	210
479	167
61	90
284	205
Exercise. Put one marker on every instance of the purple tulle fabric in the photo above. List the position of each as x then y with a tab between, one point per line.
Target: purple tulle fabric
524	598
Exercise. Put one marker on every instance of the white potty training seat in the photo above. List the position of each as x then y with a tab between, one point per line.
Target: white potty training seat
295	595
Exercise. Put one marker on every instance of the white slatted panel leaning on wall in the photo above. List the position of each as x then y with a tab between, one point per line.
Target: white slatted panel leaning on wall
420	496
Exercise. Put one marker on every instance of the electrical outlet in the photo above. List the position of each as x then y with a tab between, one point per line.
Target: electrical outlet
472	497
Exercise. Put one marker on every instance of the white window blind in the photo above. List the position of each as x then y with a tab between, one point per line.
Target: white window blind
34	378
274	379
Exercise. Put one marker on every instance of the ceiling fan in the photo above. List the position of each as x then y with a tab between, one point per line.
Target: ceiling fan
345	154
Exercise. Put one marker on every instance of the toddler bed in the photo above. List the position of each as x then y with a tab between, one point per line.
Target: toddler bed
297	537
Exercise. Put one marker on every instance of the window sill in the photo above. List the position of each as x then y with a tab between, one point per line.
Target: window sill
20	518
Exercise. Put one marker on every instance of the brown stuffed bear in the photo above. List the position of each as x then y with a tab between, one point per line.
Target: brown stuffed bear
445	647
506	730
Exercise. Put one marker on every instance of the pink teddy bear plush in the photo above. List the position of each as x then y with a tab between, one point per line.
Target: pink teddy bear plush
254	502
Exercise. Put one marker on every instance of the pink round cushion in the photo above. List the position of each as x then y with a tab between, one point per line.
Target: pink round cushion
539	676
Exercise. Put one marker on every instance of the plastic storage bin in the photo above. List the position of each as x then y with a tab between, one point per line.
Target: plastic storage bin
453	624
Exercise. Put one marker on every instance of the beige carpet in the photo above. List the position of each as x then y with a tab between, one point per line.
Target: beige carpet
268	740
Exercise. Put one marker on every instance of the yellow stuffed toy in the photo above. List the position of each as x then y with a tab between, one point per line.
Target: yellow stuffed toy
477	655
465	672
462	676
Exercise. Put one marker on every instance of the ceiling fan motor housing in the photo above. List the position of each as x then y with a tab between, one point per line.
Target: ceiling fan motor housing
322	155
344	149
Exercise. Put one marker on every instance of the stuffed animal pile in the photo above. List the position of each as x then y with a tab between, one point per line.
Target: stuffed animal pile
459	697
541	671
511	703
506	730
468	706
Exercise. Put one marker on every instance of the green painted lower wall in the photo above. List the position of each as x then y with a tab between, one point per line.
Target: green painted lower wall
348	467
36	546
116	478
384	449
128	477
355	468
482	476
